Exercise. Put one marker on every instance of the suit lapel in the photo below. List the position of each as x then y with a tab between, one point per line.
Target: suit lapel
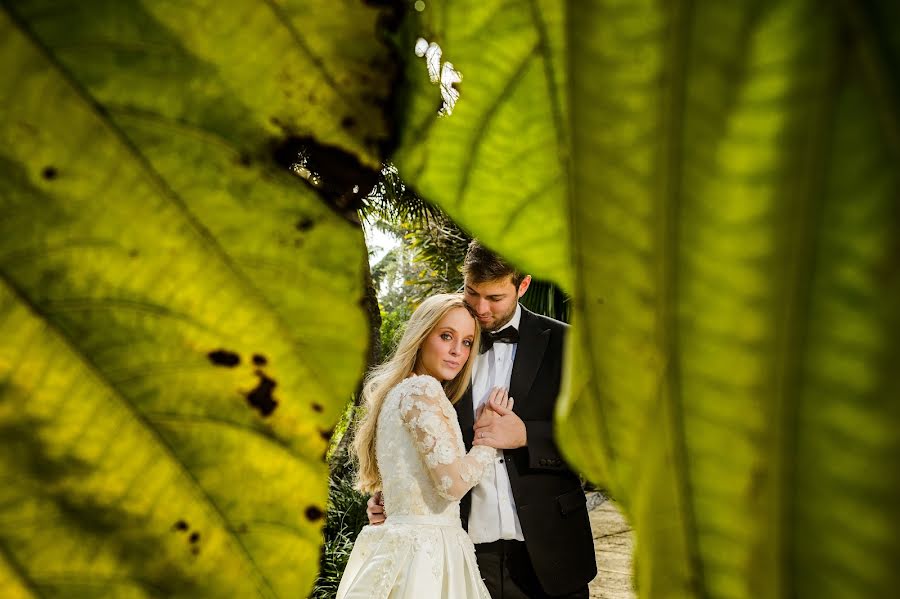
466	415
533	340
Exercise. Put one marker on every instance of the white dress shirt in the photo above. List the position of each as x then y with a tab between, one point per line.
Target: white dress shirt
493	514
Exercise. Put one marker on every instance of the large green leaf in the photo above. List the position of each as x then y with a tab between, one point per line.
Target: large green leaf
730	209
497	163
713	182
180	315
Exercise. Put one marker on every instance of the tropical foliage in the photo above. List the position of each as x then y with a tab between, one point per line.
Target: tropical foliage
713	183
428	260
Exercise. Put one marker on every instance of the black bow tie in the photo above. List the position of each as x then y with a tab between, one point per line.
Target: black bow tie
507	335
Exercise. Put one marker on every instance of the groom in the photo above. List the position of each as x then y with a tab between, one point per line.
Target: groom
528	517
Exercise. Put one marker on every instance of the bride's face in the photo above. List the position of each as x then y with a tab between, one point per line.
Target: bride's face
447	347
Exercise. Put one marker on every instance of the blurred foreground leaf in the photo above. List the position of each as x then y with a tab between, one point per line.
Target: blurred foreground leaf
716	184
179	313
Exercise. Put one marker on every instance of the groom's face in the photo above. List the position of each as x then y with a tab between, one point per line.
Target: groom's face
494	302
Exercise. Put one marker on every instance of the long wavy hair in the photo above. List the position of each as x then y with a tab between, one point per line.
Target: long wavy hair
401	364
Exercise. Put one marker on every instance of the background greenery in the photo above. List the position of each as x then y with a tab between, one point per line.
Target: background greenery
184	287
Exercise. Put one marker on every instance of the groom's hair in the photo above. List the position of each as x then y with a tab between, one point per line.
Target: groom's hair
482	265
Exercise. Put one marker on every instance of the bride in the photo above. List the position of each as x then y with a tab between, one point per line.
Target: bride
410	448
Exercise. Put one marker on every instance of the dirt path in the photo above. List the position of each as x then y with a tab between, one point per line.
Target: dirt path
614	544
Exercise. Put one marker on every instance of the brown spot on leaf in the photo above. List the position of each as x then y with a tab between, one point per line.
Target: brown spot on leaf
195	536
223	357
180	525
195	550
305	224
260	360
327	435
260	397
313	513
317	407
49	173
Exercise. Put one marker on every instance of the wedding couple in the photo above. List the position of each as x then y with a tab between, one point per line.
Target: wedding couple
474	372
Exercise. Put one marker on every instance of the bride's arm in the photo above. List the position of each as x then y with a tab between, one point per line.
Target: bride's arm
431	420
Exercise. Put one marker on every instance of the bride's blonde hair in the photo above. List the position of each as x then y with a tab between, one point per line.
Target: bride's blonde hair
382	379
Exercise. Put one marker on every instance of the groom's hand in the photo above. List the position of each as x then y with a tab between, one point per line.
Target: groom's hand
375	509
505	430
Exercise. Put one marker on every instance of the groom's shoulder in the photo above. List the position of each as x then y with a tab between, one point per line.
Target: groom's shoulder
545	322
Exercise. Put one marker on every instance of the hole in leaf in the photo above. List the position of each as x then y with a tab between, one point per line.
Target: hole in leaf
337	175
305	224
442	73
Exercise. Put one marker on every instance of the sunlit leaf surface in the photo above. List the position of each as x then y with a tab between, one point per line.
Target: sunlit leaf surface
179	313
730	210
714	182
497	163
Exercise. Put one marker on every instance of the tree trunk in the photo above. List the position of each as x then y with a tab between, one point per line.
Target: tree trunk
339	457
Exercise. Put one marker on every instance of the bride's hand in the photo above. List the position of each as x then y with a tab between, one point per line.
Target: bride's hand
483	416
506	430
500	402
497	398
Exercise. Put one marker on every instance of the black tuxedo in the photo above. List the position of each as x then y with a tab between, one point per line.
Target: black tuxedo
549	500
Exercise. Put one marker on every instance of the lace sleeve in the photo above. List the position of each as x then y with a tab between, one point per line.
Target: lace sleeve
429	416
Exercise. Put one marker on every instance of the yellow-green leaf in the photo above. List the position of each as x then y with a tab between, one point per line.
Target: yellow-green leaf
727	199
180	314
497	163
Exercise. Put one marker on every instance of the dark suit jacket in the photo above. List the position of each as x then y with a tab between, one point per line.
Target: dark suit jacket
549	500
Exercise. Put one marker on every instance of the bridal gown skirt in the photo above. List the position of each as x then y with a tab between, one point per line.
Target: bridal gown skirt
412	557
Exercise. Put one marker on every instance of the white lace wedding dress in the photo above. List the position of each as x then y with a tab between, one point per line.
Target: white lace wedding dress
421	551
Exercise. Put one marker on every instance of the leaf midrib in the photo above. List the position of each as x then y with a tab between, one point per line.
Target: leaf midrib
164	191
16	569
669	199
802	241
